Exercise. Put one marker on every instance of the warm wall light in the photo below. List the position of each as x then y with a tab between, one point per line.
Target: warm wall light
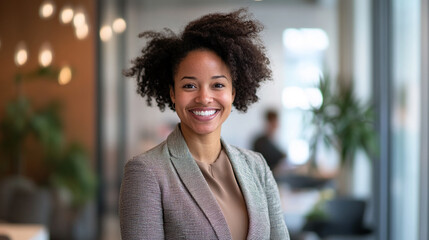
119	25
65	75
81	31
47	9
66	14
45	55
79	18
21	54
105	33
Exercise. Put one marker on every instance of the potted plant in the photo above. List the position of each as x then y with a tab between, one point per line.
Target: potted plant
345	124
67	164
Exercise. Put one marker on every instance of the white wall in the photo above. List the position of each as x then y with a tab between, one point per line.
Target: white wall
239	128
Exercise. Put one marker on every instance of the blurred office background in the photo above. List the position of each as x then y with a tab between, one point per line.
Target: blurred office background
350	84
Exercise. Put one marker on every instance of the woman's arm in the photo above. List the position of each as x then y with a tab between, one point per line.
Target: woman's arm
140	203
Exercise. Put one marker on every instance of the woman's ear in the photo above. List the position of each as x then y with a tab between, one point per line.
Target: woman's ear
172	94
233	94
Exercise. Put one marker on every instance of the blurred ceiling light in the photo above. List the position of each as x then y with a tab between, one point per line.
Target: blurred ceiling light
82	31
302	98
119	25
45	55
65	75
305	39
292	39
47	9
105	33
309	72
294	97
321	36
21	54
79	18
298	151
66	14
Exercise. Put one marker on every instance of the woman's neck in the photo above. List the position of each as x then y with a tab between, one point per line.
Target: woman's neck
205	148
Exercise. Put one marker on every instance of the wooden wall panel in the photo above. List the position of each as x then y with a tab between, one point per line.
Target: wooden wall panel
20	21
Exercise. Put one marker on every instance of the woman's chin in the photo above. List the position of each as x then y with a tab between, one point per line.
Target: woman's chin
205	130
202	129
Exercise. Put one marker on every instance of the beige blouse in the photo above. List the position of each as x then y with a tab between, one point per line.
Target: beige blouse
221	180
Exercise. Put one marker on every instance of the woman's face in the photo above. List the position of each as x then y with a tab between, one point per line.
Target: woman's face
203	92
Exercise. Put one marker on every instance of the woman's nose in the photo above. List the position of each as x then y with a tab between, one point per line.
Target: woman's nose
204	96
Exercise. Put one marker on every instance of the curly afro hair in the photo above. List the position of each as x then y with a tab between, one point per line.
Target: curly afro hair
234	37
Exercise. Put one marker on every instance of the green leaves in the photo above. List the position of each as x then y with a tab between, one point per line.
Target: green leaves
46	73
72	172
343	122
15	125
47	127
21	120
68	164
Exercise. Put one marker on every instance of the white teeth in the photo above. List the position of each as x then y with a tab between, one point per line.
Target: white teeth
204	113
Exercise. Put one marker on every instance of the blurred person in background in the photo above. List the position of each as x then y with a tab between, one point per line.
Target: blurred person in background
265	144
194	185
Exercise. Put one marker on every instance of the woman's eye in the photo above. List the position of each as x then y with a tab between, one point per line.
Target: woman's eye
188	86
219	85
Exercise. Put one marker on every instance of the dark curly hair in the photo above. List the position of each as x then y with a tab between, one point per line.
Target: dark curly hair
234	37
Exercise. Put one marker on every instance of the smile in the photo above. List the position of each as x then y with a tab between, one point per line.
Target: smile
204	113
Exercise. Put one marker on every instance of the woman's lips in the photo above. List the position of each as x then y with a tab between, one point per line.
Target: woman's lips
205	114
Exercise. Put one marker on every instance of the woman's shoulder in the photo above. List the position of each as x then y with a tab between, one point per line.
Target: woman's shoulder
152	157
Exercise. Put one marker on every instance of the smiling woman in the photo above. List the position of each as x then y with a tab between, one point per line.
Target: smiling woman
194	185
202	94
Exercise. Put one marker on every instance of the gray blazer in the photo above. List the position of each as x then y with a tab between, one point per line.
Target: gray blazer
165	196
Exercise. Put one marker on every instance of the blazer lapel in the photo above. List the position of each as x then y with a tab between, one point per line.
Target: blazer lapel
193	179
250	190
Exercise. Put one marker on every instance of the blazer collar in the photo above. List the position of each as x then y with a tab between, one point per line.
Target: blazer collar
251	192
193	179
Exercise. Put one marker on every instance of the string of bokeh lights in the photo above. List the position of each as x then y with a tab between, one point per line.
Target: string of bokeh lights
76	16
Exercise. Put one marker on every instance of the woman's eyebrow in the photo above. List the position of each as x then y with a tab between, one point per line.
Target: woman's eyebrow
219	76
188	77
194	78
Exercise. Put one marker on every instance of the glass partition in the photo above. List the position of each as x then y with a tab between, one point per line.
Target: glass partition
405	121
